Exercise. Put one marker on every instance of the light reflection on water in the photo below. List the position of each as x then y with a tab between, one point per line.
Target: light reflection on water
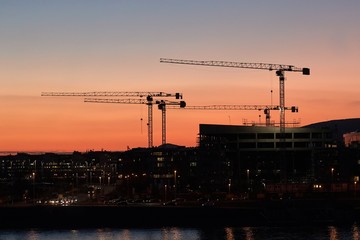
350	232
355	231
333	233
249	235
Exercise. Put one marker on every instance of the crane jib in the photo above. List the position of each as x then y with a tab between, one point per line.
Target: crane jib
265	66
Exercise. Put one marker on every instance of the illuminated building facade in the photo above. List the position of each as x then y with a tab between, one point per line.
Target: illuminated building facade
248	157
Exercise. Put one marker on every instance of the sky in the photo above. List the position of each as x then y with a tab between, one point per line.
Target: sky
116	45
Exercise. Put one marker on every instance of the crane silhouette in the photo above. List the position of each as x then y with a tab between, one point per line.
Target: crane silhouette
279	68
141	94
149	101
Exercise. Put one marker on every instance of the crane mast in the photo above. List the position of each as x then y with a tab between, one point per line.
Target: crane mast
279	68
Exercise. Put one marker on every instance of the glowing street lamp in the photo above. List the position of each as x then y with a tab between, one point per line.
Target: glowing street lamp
174	178
332	178
229	185
247	175
33	177
174	183
355	188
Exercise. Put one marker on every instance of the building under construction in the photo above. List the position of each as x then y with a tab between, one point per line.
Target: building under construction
251	157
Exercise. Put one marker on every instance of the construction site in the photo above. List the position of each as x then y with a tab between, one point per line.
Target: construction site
161	99
257	160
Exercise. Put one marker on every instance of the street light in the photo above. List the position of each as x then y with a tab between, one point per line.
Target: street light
33	177
247	175
174	178
332	178
229	185
355	189
174	183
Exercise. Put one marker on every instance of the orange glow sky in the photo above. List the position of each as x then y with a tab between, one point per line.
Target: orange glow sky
88	45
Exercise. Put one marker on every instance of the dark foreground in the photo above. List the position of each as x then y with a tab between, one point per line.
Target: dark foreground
254	213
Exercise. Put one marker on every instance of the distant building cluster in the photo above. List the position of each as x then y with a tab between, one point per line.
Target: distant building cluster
236	161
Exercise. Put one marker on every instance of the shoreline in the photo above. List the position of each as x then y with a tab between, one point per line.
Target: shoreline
255	213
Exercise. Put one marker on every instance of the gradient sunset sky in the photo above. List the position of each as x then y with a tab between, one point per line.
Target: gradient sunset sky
115	45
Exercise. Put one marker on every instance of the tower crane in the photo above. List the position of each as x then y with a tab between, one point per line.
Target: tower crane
162	105
149	101
279	68
265	108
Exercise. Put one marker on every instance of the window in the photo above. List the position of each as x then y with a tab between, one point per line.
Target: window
287	135
265	145
301	144
246	135
247	145
301	135
265	136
